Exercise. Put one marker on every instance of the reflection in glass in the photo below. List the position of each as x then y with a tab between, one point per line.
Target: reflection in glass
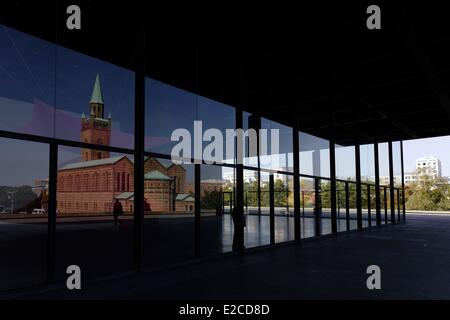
314	155
94	212
27	83
345	163
166	109
169	201
217	187
24	172
307	207
257	227
272	156
284	207
97	93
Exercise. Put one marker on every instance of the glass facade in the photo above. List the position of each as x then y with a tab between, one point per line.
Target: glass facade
69	169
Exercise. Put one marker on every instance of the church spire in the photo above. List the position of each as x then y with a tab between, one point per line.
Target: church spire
97	96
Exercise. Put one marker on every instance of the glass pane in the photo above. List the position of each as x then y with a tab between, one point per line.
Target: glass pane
383	153
397	162
352	206
97	94
276	147
341	201
27	83
169	224
314	155
216	118
345	163
94	212
367	163
326	206
24	172
284	207
250	154
307	205
257	228
166	109
218	197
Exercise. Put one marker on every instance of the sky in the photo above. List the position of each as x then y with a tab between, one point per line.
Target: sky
439	147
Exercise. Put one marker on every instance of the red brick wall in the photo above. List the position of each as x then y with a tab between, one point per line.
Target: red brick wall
158	195
92	189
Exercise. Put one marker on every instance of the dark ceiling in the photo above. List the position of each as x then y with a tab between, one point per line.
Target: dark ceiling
291	62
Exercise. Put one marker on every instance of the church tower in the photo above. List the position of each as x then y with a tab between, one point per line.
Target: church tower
95	128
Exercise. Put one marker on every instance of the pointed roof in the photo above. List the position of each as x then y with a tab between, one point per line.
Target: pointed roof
93	163
97	96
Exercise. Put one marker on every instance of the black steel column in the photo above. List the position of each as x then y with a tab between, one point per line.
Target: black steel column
332	176
398	205
358	174
239	205
197	221
51	236
139	144
391	182
296	159
377	184
385	205
272	209
347	206
358	186
403	183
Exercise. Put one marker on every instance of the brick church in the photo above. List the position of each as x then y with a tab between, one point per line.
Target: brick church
92	185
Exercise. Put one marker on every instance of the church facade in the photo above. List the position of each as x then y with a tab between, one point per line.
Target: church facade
92	185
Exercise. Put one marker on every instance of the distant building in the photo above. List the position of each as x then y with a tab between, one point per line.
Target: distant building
411	178
429	166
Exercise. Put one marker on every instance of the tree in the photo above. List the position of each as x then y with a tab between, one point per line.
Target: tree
428	195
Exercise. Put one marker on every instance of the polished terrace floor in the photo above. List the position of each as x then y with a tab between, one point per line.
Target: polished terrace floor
413	257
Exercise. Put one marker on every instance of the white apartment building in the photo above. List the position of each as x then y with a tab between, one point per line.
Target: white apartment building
430	166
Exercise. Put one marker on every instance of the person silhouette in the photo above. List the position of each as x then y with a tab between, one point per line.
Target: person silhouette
118	210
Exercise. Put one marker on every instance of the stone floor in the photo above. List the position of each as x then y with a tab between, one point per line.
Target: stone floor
413	258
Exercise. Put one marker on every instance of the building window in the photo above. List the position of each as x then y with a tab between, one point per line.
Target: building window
123	181
118	181
128	182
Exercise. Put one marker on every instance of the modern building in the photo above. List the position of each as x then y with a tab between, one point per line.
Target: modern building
315	78
429	166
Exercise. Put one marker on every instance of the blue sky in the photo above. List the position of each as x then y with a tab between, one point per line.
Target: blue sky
439	147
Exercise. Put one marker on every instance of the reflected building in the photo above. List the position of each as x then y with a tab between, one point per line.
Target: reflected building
92	185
